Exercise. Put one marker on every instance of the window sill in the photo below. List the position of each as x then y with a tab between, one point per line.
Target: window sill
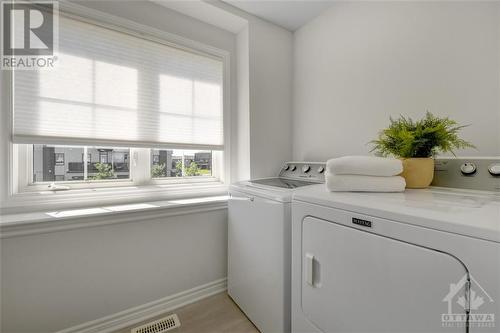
80	198
23	224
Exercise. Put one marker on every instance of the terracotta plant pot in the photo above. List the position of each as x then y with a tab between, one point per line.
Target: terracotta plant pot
418	172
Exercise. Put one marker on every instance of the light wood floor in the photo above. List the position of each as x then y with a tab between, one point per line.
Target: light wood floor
217	313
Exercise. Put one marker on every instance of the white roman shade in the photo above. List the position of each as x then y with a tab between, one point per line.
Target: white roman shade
113	88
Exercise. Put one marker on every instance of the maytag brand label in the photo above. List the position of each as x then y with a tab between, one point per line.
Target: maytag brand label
363	223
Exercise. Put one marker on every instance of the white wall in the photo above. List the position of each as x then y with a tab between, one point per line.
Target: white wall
56	280
360	62
498	45
242	117
271	50
270	95
4	139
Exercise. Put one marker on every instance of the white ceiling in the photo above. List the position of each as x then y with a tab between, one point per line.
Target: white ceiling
290	14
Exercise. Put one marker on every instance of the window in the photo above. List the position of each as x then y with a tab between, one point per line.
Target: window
63	163
181	163
114	88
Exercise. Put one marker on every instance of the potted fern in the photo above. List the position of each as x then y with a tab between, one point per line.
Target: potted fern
417	142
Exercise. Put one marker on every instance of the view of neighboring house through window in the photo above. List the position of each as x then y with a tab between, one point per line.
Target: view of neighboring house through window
180	163
62	163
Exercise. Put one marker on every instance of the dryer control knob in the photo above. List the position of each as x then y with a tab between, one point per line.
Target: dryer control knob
306	168
293	168
321	169
468	169
286	167
494	169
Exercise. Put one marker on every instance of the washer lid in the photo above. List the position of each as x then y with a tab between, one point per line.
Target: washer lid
470	213
275	188
275	193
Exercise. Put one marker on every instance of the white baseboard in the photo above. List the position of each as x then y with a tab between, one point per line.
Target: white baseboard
146	311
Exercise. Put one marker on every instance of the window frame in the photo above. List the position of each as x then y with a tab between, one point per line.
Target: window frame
21	160
140	173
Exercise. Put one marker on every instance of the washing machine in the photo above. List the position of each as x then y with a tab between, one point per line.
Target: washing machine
259	244
419	261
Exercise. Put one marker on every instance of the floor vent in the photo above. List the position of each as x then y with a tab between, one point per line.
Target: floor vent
160	325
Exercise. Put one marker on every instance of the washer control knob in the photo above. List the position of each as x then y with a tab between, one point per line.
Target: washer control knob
468	169
321	169
306	168
293	168
494	169
286	167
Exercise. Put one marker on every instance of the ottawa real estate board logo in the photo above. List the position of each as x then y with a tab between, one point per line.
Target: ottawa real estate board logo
30	31
469	304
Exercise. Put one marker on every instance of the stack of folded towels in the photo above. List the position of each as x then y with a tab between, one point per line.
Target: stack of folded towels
364	174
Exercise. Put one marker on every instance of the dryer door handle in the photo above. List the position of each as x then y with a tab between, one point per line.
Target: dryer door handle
309	269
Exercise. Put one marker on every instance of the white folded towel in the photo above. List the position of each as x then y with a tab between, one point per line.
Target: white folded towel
365	165
357	183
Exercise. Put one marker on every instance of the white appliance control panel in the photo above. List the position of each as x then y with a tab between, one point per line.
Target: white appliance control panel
470	173
310	171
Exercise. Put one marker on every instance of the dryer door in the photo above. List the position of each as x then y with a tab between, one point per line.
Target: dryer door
356	281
